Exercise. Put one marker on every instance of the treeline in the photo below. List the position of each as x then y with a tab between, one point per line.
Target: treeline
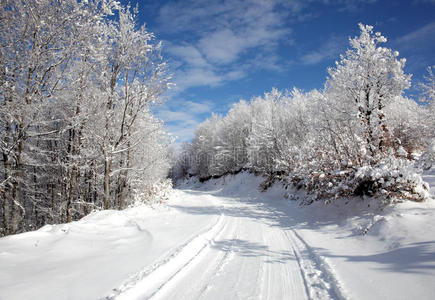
77	81
359	136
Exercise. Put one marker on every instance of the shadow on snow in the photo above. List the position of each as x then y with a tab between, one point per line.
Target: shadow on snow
413	258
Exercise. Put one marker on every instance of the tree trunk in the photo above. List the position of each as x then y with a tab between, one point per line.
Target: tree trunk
17	185
5	191
125	178
107	171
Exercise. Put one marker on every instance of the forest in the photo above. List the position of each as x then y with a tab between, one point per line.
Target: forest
358	136
78	80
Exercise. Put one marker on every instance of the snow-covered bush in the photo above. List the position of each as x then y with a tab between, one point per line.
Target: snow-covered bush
427	159
157	192
392	179
409	126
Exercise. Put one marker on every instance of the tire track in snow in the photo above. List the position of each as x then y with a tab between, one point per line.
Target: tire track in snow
210	263
319	278
166	268
182	268
219	267
263	273
282	280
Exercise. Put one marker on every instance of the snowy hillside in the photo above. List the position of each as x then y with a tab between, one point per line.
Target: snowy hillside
225	240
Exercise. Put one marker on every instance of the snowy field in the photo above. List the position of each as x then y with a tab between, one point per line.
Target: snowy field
225	240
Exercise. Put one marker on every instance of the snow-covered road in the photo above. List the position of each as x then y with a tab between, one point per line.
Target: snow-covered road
228	241
247	251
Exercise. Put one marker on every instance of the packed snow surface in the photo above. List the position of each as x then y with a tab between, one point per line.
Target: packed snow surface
226	240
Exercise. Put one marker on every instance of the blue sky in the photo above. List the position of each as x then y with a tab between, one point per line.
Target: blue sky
222	51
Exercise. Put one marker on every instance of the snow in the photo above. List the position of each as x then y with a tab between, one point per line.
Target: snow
86	259
226	240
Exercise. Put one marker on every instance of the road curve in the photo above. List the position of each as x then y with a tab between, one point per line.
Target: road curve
248	251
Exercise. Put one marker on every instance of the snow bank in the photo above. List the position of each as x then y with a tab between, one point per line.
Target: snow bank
376	251
360	248
88	258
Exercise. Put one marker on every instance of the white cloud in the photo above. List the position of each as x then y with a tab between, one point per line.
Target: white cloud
173	116
183	110
221	38
417	46
192	76
199	107
199	17
197	77
423	35
269	61
182	116
330	49
188	54
192	69
214	42
235	74
221	47
182	132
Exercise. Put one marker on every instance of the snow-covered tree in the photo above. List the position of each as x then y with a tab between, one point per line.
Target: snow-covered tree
77	79
357	137
263	145
428	86
427	119
366	79
237	125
